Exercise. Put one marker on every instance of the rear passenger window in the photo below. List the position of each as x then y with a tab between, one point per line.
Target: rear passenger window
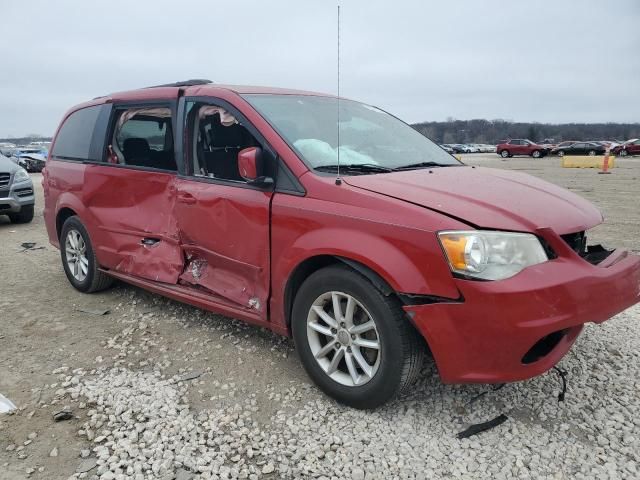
73	141
143	137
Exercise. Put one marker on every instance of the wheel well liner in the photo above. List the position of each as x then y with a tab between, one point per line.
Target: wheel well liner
61	217
311	265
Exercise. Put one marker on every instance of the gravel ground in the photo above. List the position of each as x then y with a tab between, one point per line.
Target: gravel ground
162	390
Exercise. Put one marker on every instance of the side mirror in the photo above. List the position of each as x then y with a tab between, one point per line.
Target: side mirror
250	163
250	166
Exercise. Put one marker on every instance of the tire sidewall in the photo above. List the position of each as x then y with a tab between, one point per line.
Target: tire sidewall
75	224
504	154
535	154
385	382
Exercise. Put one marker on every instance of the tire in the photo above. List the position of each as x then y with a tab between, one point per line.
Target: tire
623	153
536	154
592	153
25	215
561	153
505	154
392	366
91	280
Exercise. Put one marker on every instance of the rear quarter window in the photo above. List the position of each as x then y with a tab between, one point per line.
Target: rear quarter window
73	141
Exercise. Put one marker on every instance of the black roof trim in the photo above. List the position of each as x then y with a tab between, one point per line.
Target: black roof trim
185	83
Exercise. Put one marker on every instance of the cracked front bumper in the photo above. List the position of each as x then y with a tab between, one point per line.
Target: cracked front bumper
485	337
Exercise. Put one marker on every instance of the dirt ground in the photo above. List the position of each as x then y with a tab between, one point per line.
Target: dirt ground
44	337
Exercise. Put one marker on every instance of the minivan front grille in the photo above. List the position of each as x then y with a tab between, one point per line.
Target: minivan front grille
5	178
577	241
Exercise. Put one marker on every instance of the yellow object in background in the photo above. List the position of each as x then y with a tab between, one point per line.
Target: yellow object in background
578	161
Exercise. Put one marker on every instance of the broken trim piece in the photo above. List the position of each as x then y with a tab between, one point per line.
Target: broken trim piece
482	427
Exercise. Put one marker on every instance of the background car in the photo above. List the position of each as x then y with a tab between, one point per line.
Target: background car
520	146
16	192
580	148
630	147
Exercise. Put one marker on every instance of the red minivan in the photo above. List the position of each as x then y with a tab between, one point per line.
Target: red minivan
332	221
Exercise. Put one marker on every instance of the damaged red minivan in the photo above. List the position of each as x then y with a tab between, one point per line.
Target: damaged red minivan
334	222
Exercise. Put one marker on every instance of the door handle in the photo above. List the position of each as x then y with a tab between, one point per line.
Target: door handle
184	197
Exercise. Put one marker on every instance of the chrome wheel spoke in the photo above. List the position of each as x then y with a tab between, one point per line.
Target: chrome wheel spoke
329	347
363	327
326	318
355	376
333	366
84	265
326	331
348	314
366	343
337	309
364	366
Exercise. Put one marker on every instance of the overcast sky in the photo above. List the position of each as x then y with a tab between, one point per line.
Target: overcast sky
547	61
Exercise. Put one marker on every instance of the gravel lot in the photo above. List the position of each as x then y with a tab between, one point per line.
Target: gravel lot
162	390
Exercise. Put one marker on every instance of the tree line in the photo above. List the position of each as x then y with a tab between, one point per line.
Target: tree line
493	131
490	131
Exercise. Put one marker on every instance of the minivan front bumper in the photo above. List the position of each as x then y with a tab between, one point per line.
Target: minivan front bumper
518	328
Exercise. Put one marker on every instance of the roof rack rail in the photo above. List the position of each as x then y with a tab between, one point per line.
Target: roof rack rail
185	83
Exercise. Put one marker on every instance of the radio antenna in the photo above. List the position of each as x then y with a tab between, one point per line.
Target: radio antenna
338	179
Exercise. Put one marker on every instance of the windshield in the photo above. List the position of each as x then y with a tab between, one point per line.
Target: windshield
368	136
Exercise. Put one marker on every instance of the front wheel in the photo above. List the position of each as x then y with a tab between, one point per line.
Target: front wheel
504	154
355	343
535	154
592	153
623	153
561	153
79	259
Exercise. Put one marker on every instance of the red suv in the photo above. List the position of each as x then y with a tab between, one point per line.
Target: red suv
630	147
334	222
520	146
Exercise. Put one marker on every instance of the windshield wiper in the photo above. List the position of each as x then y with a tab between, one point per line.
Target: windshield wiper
413	166
354	167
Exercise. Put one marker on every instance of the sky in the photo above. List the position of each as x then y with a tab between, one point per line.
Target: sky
550	61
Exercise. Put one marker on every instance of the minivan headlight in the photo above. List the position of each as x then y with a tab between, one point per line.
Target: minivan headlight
21	175
491	255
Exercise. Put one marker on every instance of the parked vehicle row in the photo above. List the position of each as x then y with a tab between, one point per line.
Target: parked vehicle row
521	146
468	147
30	157
270	216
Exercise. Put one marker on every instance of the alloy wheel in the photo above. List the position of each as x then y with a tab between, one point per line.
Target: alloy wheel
343	338
76	255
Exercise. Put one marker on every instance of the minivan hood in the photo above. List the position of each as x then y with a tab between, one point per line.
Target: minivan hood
487	198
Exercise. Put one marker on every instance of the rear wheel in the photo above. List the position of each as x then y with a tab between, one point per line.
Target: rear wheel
356	344
79	260
505	154
25	215
535	154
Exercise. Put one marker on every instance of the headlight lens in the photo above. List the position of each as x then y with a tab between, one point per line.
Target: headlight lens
21	175
491	255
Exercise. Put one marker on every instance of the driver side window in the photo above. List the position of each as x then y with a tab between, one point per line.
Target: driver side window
214	138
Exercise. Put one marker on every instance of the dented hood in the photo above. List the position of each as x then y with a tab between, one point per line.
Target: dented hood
487	198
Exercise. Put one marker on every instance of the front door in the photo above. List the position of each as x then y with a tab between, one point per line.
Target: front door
223	222
131	193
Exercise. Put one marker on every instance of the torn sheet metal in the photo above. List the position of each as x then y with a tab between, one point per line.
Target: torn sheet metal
225	277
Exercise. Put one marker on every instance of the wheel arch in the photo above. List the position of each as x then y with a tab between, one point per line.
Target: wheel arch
61	217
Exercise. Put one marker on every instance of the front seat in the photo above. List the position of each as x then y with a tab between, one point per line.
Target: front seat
137	152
